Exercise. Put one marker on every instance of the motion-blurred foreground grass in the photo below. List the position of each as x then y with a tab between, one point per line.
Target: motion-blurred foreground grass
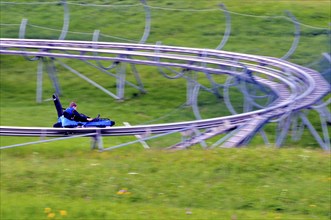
154	184
66	180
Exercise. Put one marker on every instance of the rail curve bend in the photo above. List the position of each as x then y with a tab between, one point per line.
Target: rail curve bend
295	87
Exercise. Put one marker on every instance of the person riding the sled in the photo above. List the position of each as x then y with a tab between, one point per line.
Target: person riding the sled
71	113
71	118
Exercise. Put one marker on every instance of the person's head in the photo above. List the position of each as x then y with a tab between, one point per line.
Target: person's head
73	105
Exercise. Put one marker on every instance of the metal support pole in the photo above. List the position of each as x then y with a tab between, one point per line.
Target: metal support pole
325	131
21	34
144	139
189	88
39	90
138	79
44	141
97	141
87	79
147	22
283	130
265	138
296	127
120	80
227	29
296	36
214	86
325	117
145	145
194	100
202	142
51	70
66	19
223	139
226	95
325	146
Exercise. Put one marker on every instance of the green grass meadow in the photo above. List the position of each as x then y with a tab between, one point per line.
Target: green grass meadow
134	183
68	180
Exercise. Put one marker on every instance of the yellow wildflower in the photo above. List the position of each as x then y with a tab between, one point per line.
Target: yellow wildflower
123	192
63	213
47	210
51	215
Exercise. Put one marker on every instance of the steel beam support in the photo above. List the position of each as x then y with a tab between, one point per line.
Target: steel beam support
226	95
65	26
140	86
297	127
202	142
21	35
214	86
139	137
325	117
325	131
51	70
97	141
87	79
143	139
227	29
190	134
120	80
48	140
190	82
282	130
296	36
22	30
66	20
195	104
265	137
325	144
223	139
147	22
39	90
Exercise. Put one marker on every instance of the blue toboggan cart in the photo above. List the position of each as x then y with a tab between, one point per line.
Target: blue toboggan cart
63	122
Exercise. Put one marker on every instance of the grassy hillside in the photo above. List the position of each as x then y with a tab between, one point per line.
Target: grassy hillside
66	180
141	184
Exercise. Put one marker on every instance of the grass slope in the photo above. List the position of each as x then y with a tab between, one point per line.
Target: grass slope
194	184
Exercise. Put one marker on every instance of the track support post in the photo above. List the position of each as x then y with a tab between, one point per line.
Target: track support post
97	141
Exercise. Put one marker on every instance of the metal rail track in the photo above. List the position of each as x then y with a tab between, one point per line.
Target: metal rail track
296	87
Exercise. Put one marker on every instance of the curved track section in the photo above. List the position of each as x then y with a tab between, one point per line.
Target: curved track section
296	87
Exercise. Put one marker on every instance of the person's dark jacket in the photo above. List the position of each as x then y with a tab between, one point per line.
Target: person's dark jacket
72	114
